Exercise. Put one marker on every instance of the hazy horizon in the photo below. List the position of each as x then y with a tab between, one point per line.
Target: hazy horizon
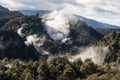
107	11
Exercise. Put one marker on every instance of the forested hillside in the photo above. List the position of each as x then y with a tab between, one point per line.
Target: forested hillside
57	68
41	48
4	12
112	40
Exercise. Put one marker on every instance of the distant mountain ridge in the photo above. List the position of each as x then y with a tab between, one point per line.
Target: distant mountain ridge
96	24
4	12
33	12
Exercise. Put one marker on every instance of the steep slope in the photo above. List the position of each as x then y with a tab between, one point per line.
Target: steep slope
111	40
96	24
4	12
28	24
33	31
107	30
80	35
83	34
3	20
13	46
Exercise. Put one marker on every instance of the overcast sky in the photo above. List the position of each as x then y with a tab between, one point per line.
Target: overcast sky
107	11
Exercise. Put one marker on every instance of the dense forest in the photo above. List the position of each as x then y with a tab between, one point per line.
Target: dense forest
28	52
56	68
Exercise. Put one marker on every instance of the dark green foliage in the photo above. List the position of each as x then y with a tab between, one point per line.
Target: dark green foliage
57	68
4	12
81	35
13	46
107	68
43	71
84	35
20	63
77	63
3	20
111	40
57	65
93	77
88	67
57	47
33	25
69	73
106	31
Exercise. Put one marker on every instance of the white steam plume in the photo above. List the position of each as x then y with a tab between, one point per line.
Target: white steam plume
35	40
20	30
57	24
96	54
